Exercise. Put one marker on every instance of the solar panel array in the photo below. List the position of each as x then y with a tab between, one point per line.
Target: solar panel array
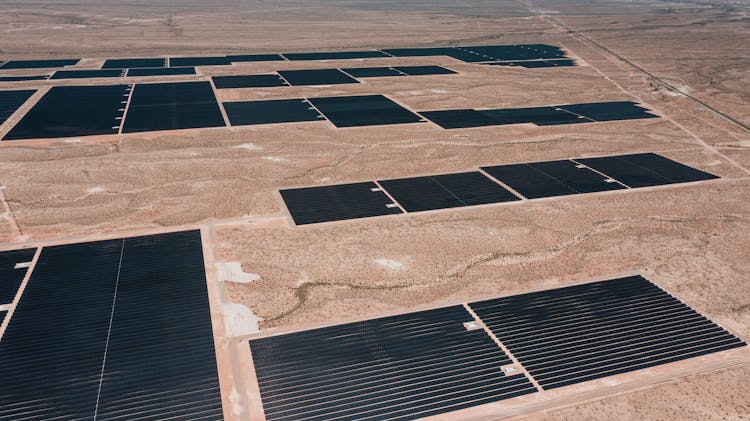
10	101
530	181
10	275
115	329
430	362
540	116
171	106
38	64
322	76
67	111
395	368
363	110
570	335
534	64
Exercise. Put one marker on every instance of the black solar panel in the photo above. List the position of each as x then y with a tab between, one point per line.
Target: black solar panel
457	119
535	64
198	61
398	368
551	178
67	111
249	81
169	106
609	111
464	118
160	357
254	57
446	191
52	351
271	111
646	169
424	70
113	329
22	78
87	74
338	55
335	203
10	101
10	276
161	71
130	63
363	72
515	52
38	64
367	110
541	116
570	335
316	77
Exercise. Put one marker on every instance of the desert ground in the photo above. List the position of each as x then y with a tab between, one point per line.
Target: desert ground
685	60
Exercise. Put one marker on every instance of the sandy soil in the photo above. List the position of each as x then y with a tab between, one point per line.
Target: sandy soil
691	240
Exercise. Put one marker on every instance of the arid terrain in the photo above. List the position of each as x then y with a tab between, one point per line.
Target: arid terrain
687	61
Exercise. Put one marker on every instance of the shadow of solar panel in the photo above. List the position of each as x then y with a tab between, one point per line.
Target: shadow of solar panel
38	64
535	64
424	70
541	116
254	57
646	169
10	276
10	101
336	203
169	106
69	111
272	111
22	78
126	331
456	119
609	111
198	61
446	191
366	110
87	74
249	81
131	63
161	71
372	72
338	55
400	368
550	178
575	334
316	77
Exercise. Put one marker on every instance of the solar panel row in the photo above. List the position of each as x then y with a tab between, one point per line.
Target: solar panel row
116	329
399	368
10	275
426	363
541	116
529	180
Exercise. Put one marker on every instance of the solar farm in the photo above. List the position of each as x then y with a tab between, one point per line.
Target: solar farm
364	211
